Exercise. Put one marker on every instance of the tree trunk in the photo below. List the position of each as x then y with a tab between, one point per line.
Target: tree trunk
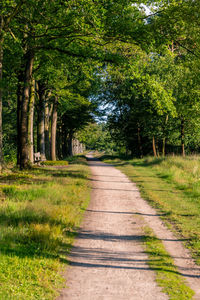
70	147
24	161
154	147
19	110
163	146
59	142
1	93
53	129
164	139
41	121
157	149
139	141
64	142
183	137
30	121
46	129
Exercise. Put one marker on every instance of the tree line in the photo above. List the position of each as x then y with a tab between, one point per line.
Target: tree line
48	54
60	61
152	101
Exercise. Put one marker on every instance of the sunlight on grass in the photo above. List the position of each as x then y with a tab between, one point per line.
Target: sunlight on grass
54	163
167	274
40	212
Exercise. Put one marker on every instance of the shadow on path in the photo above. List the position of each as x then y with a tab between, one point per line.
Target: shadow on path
103	258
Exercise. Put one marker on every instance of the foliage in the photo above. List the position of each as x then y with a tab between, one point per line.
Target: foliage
153	91
100	138
66	50
157	96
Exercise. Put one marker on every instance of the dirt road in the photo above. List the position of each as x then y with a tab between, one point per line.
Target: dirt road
108	260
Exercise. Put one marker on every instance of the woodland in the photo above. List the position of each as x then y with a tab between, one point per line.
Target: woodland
117	75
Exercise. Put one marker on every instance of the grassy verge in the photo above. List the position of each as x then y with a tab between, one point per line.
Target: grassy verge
167	274
40	210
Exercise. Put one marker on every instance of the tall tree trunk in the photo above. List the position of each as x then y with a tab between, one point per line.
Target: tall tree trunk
38	135
163	146
64	141
154	146
1	92
164	139
157	148
46	128
70	143
41	121
59	142
4	24
183	137
19	110
139	141
53	129
30	121
24	161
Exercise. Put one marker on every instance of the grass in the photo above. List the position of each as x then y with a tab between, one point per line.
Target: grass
40	211
54	163
167	275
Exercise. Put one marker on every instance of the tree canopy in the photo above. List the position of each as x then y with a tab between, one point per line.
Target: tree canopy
61	62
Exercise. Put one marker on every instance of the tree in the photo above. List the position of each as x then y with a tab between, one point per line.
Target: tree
8	11
84	31
100	139
139	103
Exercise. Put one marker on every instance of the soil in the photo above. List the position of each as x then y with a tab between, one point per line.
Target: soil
108	260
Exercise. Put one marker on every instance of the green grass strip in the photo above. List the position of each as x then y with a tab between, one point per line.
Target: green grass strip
40	211
167	275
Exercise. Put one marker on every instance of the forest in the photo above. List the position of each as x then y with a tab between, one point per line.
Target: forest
120	76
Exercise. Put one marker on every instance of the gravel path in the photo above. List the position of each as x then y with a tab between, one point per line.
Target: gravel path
107	260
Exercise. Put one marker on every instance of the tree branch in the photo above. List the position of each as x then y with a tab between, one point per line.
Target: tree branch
72	54
13	14
190	51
